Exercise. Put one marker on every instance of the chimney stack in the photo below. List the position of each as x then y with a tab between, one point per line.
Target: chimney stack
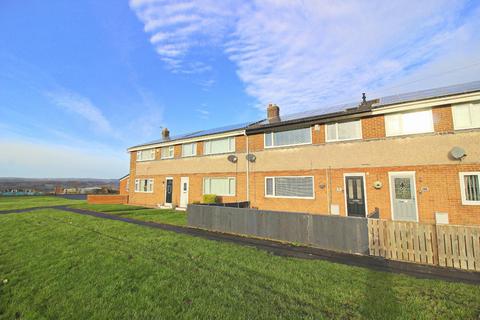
273	113
165	134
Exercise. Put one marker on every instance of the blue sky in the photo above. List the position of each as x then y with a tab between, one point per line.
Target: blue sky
80	81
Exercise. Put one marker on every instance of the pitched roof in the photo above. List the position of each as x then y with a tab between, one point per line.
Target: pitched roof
201	133
430	93
331	111
353	108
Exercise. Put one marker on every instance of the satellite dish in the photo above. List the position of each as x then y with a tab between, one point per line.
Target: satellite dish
251	157
232	158
457	153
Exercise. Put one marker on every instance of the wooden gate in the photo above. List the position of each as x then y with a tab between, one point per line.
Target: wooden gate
444	245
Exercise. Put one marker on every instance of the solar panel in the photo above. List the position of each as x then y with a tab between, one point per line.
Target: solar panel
393	99
431	93
199	133
399	98
318	112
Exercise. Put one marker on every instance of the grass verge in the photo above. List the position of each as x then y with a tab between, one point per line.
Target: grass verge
103	269
140	213
25	202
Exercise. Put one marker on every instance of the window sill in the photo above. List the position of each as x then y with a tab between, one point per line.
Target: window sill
470	203
220	153
344	140
408	134
287	146
301	198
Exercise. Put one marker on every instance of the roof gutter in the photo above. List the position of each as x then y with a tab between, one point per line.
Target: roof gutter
298	123
187	140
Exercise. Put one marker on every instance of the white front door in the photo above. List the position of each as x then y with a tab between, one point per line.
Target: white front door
184	192
403	196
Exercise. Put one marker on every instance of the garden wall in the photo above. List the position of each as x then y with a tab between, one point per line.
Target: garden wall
107	199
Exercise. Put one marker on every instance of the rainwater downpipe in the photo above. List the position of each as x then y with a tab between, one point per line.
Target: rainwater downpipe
248	168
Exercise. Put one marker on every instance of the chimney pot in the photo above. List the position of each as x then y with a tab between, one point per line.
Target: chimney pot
165	134
273	113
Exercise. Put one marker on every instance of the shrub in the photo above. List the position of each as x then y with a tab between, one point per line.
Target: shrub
209	198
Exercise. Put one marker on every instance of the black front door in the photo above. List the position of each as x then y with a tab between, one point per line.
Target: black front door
355	196
168	191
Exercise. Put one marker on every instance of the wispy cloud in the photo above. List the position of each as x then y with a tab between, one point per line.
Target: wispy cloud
177	27
307	54
81	106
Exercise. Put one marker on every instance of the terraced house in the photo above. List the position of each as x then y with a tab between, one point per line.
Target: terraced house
410	157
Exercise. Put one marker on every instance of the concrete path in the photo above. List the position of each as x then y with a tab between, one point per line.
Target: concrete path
288	250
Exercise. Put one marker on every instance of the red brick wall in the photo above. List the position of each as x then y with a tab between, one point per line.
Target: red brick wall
318	136
373	127
443	119
107	199
122	186
441	181
157	197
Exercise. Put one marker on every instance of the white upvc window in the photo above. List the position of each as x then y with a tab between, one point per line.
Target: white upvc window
144	185
127	185
146	155
224	186
217	146
409	123
288	138
342	131
299	187
466	115
189	149
167	152
470	188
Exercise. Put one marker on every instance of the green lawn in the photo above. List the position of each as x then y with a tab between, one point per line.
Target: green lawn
62	265
139	213
24	202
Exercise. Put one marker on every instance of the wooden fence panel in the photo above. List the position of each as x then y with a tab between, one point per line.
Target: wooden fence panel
444	245
459	247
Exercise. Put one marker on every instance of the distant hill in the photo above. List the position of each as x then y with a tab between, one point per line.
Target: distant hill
49	184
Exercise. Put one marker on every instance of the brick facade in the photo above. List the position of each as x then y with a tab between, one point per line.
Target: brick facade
436	176
122	186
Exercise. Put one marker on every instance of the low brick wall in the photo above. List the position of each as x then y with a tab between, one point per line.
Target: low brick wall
107	199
